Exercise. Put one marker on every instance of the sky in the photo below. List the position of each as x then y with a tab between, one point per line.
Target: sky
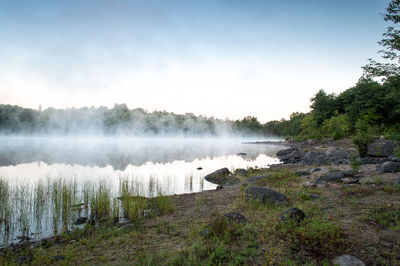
221	58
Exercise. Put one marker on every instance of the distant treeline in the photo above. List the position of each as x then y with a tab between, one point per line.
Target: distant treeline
119	120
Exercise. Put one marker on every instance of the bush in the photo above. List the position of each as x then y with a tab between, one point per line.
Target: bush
337	127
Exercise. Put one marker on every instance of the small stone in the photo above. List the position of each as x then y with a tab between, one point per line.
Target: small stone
312	170
333	176
219	187
388	167
348	260
308	184
347	180
294	214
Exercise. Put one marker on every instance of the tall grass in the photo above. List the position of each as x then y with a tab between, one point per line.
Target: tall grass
53	205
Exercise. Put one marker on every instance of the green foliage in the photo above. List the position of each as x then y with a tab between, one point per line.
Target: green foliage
366	131
355	162
337	127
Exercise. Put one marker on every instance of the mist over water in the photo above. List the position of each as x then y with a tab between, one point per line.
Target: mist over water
167	165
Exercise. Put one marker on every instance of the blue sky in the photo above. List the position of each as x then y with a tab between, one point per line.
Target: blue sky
222	58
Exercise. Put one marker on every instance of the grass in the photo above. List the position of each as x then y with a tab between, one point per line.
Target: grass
340	222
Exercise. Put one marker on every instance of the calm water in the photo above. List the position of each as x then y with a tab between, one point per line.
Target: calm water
167	163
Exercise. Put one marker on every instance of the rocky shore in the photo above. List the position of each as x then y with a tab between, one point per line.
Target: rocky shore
322	205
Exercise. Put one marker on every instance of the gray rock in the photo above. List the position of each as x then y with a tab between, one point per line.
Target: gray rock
265	195
293	214
255	179
300	173
333	176
335	154
394	158
348	180
388	167
381	148
221	177
291	155
235	217
315	158
320	182
369	160
241	171
347	260
312	170
349	173
308	184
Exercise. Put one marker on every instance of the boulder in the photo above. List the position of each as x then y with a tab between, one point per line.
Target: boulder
265	195
241	171
255	179
333	176
293	214
314	158
291	155
347	260
381	148
221	177
235	217
335	154
388	167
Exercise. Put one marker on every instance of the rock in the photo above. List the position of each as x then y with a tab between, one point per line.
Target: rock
348	180
312	170
293	214
24	259
335	154
333	176
388	167
59	257
394	158
349	173
235	217
381	148
313	157
81	220
347	260
199	168
221	177
255	179
314	196
320	182
291	155
369	160
241	171
308	184
300	173
35	245
219	187
265	195
241	154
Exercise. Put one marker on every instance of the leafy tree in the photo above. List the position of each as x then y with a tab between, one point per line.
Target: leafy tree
391	47
323	105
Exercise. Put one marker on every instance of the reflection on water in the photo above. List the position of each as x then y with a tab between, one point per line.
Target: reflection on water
153	165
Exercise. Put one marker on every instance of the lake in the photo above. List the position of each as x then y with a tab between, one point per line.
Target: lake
34	169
